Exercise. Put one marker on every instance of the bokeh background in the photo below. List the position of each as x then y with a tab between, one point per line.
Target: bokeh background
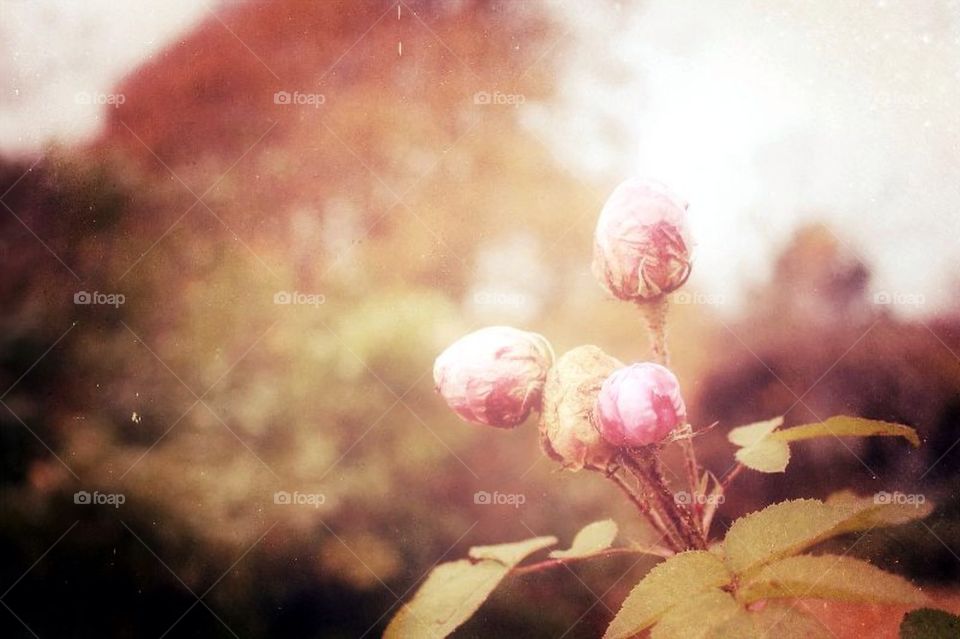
404	173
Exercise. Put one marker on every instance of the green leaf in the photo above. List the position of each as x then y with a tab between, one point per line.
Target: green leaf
453	591
928	623
591	539
791	526
882	509
754	433
774	620
765	449
696	616
779	530
765	456
845	426
669	583
829	577
512	553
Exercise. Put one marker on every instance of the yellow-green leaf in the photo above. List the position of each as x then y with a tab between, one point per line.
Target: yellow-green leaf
881	509
696	616
754	433
591	539
669	583
829	577
765	456
453	591
779	530
845	426
789	527
774	620
512	553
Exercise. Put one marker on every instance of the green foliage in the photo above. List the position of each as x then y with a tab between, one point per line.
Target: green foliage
591	539
453	591
927	623
829	577
765	449
695	616
668	584
782	621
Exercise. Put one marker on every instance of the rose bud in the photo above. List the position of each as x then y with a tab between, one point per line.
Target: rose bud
642	243
495	375
640	405
567	431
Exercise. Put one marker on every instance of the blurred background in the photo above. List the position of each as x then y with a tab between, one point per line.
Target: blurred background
236	235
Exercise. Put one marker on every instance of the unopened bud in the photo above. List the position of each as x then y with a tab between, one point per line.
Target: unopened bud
495	375
642	242
640	405
568	433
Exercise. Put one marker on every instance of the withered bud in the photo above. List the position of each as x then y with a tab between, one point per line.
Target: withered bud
567	430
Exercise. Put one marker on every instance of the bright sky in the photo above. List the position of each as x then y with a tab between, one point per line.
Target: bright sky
763	115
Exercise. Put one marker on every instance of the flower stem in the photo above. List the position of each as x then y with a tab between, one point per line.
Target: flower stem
654	518
655	313
645	464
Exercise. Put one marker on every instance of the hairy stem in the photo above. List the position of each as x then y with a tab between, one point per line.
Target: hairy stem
655	313
654	518
645	464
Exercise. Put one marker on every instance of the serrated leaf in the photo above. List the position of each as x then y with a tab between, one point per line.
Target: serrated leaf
775	620
512	553
779	530
591	539
766	456
846	426
453	591
666	585
878	510
789	527
753	433
834	577
696	616
928	623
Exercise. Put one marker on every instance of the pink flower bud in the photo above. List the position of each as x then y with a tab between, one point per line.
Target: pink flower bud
642	243
495	375
567	431
640	405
